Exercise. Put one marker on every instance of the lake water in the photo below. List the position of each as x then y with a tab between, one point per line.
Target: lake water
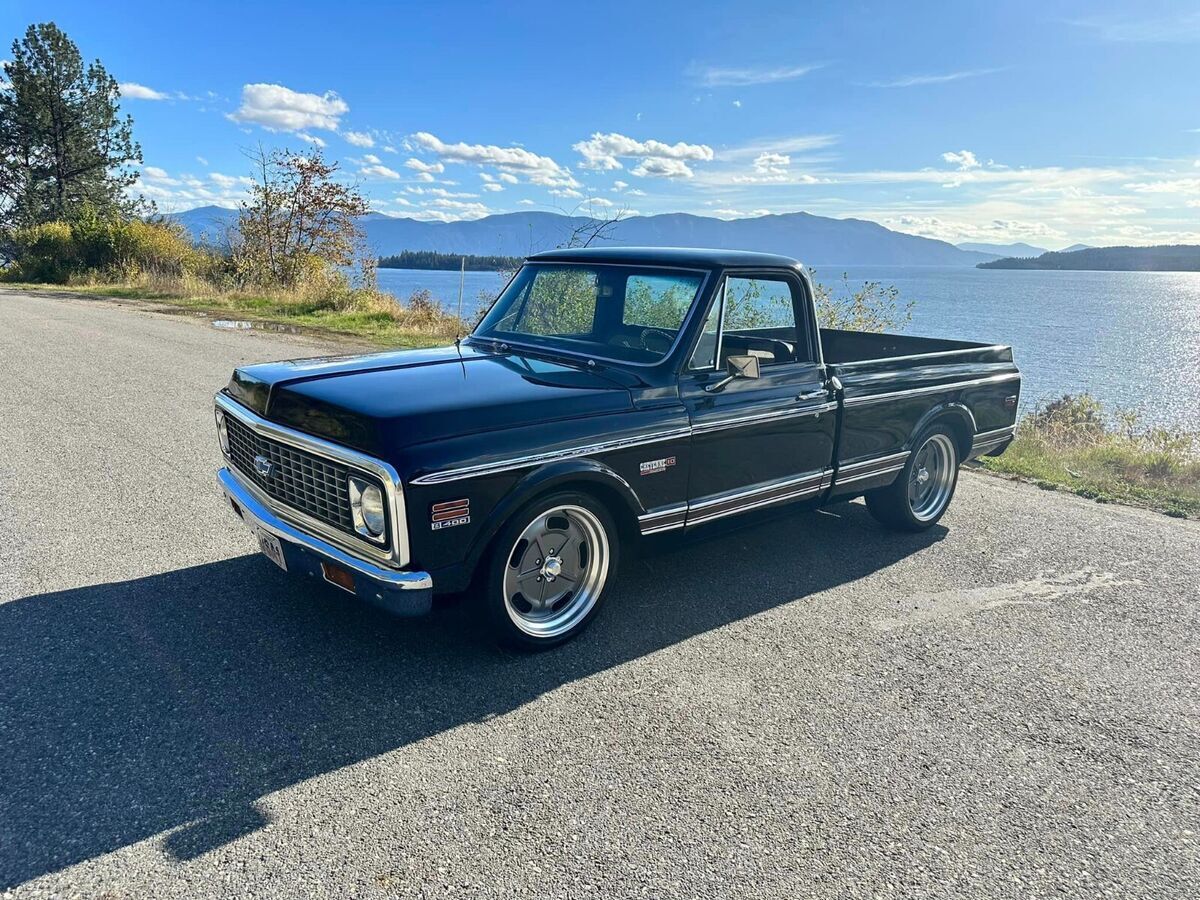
1132	339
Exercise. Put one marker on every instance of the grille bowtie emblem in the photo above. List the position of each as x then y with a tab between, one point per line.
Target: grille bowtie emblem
263	466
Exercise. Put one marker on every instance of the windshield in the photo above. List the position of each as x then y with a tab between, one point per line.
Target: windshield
629	313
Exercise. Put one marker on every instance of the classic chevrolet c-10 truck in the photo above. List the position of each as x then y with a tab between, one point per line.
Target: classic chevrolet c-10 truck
608	394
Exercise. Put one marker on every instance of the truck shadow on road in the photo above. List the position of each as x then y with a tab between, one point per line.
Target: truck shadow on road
173	703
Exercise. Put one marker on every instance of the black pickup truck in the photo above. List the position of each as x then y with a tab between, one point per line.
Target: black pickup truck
608	394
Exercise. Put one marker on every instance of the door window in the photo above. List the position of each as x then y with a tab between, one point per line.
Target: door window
760	320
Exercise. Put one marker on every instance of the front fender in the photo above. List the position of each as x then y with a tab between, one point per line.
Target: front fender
568	473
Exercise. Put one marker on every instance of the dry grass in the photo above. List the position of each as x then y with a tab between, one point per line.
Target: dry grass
332	306
1071	444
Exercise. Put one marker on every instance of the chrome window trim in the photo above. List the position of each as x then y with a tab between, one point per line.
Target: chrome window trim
933	388
398	554
575	354
719	300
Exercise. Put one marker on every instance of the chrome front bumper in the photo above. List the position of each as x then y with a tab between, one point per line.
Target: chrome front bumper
401	592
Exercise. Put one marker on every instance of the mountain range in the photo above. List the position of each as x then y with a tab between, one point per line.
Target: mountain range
816	240
1005	250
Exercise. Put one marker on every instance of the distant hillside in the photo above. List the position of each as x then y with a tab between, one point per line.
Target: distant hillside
1075	247
815	240
1167	258
1004	250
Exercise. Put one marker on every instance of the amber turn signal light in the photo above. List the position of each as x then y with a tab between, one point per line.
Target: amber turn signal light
338	576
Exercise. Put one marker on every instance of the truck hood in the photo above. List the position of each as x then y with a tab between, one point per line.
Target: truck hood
379	402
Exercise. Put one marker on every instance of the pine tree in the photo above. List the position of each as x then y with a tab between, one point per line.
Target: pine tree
64	145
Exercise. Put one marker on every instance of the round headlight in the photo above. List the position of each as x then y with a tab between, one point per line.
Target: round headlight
372	510
222	432
366	505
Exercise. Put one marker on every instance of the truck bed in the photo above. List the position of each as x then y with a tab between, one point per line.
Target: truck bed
845	347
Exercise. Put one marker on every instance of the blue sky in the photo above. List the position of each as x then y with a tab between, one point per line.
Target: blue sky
1044	122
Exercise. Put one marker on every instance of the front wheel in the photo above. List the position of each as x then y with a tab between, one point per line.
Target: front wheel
922	491
548	570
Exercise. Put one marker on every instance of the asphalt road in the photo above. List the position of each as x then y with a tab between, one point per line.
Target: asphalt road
1006	706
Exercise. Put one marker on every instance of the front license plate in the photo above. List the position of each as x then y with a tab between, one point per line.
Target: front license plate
271	548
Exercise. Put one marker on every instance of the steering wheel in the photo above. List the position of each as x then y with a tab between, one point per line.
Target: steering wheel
654	341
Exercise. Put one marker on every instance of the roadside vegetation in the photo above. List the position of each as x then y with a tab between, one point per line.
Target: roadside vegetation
1071	444
71	218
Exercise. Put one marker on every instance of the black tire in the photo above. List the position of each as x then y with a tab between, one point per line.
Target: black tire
907	504
579	528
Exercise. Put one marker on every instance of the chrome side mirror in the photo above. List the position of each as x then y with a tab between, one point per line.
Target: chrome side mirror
737	367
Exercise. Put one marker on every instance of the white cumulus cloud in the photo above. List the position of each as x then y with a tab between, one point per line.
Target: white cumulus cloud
772	163
657	167
278	108
310	138
541	170
131	90
964	159
418	165
377	171
359	139
604	152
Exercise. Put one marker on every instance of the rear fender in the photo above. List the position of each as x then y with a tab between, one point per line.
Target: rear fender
958	415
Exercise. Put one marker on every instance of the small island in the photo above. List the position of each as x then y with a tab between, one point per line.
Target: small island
431	259
1165	258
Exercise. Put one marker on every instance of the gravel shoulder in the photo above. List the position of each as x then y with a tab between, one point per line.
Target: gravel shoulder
1005	706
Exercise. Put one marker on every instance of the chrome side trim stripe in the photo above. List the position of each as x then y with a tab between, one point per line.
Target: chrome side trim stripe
522	462
705	427
996	434
747	507
753	498
933	388
663	519
874	462
874	473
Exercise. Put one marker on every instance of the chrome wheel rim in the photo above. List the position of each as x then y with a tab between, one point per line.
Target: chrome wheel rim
555	571
931	479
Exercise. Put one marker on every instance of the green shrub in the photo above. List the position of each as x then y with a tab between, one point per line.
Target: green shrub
99	247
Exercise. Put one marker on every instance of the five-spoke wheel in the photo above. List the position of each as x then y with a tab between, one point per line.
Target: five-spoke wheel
549	567
922	491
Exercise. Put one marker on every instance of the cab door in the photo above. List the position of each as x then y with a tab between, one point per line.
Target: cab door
765	440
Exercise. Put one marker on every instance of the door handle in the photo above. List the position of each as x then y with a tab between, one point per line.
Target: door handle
812	395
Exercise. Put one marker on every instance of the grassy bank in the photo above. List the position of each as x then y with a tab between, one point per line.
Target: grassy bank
1072	445
368	315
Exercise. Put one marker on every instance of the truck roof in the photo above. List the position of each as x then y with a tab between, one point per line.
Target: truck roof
668	256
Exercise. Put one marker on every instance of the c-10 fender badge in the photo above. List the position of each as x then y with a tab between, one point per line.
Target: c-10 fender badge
654	466
449	513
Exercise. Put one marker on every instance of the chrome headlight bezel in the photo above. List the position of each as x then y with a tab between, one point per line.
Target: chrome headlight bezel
368	508
222	431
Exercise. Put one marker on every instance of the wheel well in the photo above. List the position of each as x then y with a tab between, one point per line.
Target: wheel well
962	433
612	499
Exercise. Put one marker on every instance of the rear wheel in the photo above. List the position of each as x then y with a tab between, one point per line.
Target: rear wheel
548	570
922	491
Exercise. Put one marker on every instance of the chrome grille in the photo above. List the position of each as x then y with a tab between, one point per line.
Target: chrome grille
308	483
